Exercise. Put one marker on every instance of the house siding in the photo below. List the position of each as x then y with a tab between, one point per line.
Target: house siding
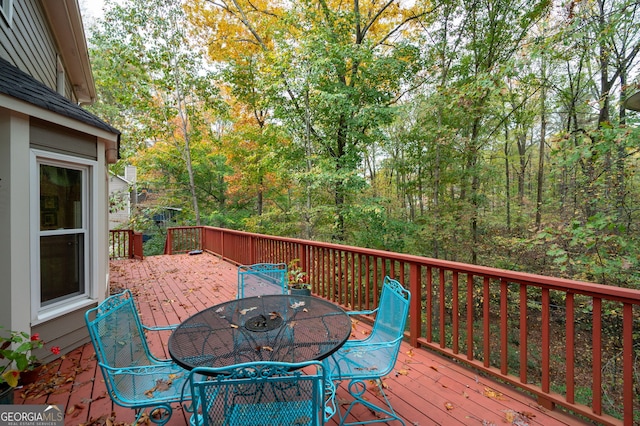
28	44
62	140
119	187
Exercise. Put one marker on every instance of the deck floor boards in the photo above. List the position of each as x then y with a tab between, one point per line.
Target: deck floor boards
425	388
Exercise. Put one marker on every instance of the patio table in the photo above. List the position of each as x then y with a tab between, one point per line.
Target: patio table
284	328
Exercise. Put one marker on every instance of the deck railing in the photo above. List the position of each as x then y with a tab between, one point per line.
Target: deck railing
125	244
570	343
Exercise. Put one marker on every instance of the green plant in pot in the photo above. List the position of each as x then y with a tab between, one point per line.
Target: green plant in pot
297	279
17	359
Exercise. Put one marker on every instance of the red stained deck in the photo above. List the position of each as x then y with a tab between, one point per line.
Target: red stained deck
425	388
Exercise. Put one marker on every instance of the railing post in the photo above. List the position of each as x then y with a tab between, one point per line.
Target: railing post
252	250
131	249
169	243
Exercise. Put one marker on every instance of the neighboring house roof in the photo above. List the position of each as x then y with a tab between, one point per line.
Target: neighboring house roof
21	85
113	175
633	102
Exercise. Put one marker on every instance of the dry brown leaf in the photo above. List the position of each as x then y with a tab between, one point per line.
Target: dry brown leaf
233	326
448	406
433	368
163	385
403	372
410	352
493	394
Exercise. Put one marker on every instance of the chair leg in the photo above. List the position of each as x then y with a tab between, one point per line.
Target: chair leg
159	415
357	388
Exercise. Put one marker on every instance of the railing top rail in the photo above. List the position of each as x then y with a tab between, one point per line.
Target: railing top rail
570	286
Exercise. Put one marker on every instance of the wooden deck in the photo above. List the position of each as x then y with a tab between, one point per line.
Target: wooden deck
425	388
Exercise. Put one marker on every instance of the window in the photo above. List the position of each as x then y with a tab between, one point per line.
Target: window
6	10
62	238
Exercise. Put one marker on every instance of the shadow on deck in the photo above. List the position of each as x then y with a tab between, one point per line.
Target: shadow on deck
425	388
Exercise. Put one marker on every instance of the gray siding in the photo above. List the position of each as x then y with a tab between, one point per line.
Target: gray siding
68	332
62	140
28	43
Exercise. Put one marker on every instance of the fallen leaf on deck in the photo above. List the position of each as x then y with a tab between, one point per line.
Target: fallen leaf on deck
490	393
410	352
448	406
433	368
403	372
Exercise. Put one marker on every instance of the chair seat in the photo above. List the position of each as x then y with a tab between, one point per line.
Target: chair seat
272	413
362	361
155	384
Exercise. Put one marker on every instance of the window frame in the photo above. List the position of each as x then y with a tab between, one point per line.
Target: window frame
6	10
48	311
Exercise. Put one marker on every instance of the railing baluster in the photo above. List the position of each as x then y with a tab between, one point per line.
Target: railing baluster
486	321
504	324
442	302
470	316
570	351
523	333
455	314
627	358
597	355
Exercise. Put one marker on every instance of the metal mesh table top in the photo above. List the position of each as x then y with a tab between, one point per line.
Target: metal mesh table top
283	328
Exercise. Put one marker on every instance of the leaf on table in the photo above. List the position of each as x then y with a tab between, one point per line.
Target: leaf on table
220	309
291	324
305	310
267	348
274	315
244	311
297	304
233	325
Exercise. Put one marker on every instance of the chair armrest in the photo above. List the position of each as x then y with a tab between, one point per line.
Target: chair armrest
366	312
366	345
160	328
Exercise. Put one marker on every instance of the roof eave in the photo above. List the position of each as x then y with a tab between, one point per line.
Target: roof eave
66	24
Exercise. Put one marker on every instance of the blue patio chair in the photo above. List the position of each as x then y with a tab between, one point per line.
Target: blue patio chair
370	359
134	377
259	394
261	279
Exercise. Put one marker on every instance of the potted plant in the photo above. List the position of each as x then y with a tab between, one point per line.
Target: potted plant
17	360
297	279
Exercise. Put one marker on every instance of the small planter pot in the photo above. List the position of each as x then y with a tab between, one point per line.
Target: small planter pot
6	394
300	291
30	376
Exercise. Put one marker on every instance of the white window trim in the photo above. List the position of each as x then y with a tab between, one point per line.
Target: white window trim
7	11
41	314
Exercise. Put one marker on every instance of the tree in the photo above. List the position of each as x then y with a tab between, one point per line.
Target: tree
163	65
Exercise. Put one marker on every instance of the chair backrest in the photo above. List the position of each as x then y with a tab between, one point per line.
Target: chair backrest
261	279
393	310
265	393
117	333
